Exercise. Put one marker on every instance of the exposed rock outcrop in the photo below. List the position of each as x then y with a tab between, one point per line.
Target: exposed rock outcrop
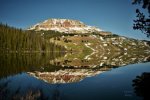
64	25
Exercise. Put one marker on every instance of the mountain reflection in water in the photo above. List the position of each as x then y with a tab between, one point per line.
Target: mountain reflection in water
75	69
41	76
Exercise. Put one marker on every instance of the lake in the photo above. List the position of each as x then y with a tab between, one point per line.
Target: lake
63	76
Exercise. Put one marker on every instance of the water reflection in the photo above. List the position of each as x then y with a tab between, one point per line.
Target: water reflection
101	59
44	76
74	69
65	76
30	94
24	87
65	67
142	85
114	84
14	63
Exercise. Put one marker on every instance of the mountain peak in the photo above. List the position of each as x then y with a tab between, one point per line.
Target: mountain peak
64	25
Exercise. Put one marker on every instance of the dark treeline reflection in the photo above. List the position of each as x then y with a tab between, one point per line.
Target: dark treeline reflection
142	85
13	63
31	94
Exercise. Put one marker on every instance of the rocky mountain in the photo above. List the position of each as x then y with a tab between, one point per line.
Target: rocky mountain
90	54
64	25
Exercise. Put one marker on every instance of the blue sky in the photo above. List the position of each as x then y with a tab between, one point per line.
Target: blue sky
110	15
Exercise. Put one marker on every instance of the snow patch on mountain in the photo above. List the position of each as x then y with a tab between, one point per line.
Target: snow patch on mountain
64	25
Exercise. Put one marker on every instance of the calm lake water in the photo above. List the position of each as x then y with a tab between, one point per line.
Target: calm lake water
53	77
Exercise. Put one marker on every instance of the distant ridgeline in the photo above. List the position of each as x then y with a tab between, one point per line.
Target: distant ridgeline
18	40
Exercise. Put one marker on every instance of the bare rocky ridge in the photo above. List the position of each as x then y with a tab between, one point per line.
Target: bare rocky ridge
64	25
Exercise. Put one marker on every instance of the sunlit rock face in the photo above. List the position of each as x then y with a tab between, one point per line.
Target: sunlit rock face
65	76
65	25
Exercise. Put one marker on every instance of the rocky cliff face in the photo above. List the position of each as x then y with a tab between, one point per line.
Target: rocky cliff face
64	25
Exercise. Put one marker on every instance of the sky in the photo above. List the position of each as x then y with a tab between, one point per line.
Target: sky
115	16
